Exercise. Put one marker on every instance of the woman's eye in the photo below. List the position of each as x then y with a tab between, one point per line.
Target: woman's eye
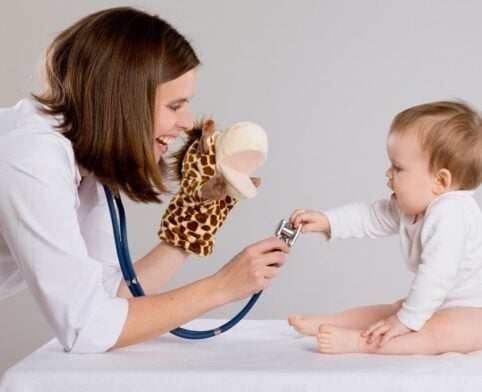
174	108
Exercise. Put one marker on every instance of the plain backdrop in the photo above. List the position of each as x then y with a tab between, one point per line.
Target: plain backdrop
324	79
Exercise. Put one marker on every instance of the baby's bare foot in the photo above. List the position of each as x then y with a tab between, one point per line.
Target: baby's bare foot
337	340
305	325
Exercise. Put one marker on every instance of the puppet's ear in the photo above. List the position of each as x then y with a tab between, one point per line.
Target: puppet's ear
208	129
256	181
213	189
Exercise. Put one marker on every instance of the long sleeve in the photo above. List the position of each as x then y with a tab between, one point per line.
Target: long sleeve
443	238
377	219
39	224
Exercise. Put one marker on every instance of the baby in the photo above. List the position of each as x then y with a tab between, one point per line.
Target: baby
435	151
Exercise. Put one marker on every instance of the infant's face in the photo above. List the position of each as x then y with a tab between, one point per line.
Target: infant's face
409	176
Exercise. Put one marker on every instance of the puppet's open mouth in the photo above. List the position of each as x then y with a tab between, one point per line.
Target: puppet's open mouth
238	167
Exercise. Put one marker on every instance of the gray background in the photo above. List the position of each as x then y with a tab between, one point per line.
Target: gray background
324	78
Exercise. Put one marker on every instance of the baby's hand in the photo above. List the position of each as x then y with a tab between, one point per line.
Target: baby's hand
312	221
386	329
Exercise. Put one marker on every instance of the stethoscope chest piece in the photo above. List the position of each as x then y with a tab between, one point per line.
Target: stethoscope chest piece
287	233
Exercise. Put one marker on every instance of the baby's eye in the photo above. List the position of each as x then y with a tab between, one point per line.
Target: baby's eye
396	168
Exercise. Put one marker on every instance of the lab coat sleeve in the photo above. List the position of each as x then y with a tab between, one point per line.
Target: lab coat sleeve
39	223
376	219
443	239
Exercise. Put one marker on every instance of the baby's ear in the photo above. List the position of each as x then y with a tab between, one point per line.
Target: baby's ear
208	129
443	181
256	181
213	189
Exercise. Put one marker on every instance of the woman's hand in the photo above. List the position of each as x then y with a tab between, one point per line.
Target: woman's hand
312	221
251	270
385	330
247	273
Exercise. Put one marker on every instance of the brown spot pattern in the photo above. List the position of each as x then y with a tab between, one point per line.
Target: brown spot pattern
188	222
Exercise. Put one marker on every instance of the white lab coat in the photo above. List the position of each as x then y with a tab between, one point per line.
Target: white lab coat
55	233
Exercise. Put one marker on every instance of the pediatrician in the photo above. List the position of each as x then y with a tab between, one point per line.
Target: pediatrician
118	88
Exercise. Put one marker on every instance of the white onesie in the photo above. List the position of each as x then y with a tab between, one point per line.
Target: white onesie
444	249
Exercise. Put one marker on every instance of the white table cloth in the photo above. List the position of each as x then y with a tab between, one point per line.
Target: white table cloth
256	355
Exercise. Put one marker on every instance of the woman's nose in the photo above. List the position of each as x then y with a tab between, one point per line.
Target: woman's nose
185	120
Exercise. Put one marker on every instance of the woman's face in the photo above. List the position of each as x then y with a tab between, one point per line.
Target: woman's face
172	111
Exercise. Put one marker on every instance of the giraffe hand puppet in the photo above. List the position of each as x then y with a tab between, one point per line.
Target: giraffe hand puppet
214	169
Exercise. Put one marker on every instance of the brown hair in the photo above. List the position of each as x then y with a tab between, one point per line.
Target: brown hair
451	134
102	74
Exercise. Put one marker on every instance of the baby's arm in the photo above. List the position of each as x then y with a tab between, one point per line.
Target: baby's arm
376	219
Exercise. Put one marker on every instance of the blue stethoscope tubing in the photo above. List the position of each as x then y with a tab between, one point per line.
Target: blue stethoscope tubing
119	227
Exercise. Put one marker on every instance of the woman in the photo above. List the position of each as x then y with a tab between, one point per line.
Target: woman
118	88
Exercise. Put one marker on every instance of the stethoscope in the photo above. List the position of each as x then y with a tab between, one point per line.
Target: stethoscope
284	232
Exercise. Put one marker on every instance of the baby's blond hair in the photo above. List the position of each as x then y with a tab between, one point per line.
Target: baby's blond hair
450	132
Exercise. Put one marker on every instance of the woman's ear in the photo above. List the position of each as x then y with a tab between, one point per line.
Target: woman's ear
443	181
